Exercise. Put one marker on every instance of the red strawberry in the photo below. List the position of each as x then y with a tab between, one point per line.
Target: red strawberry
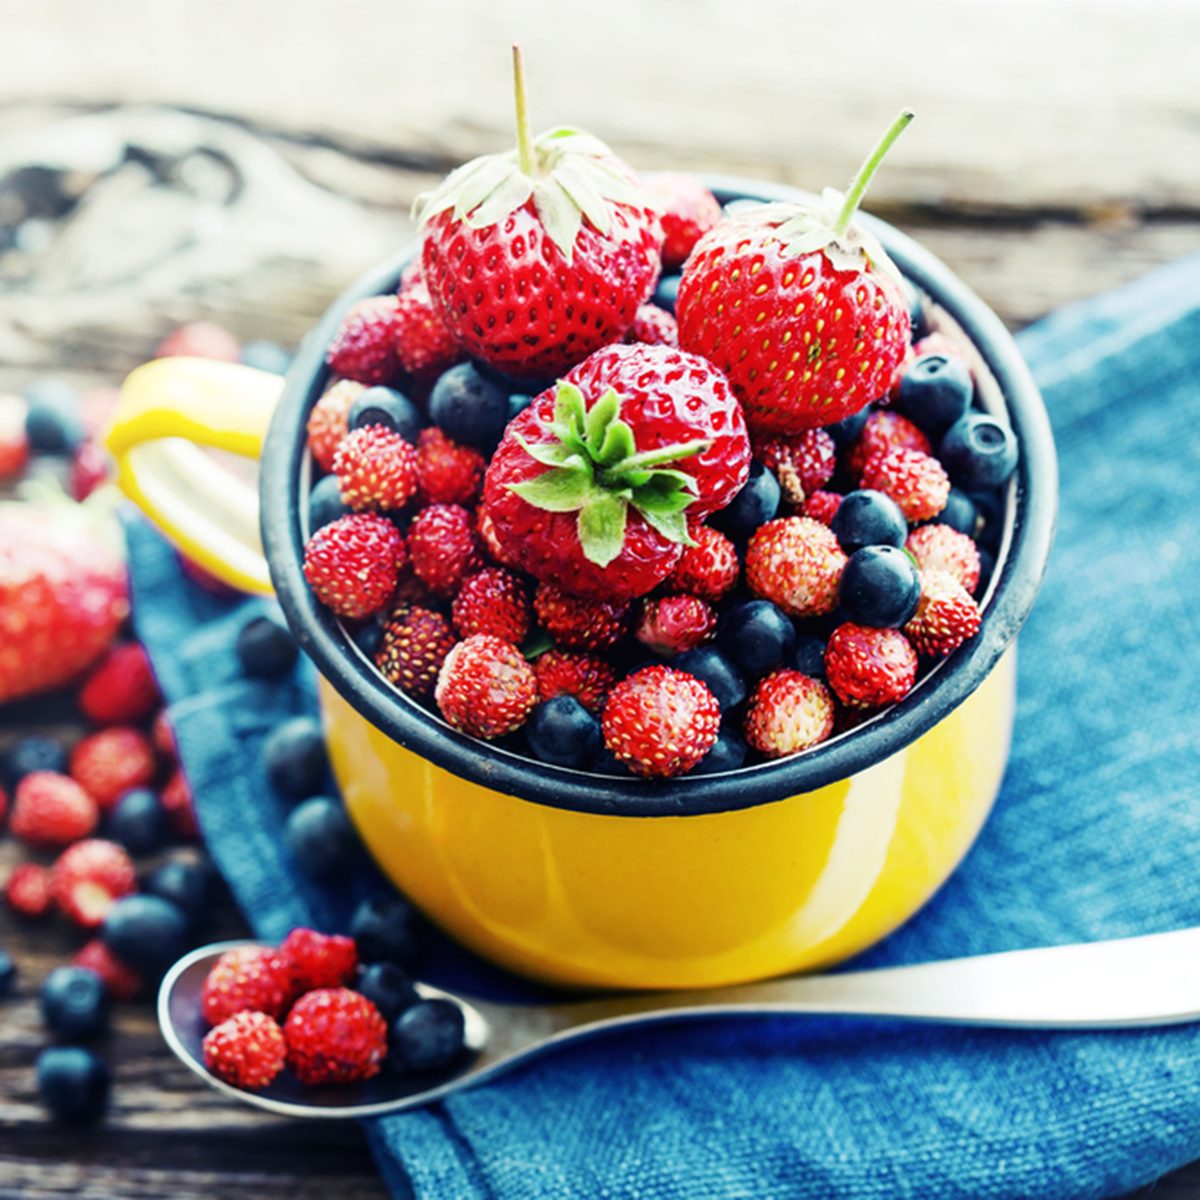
200	339
376	470
587	677
447	472
941	548
109	763
335	1035
492	601
425	347
248	1050
52	810
822	506
444	547
654	326
671	625
802	309
580	624
366	348
352	564
319	960
28	890
594	484
247	979
327	423
14	445
163	737
487	535
176	798
802	462
486	688
917	482
121	982
88	877
121	688
788	712
536	258
689	211
885	430
415	644
868	667
940	343
660	722
90	468
796	563
947	615
63	594
708	568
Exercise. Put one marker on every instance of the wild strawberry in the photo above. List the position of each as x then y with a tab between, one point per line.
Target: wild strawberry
327	423
587	677
14	445
594	484
412	273
492	601
917	482
319	960
415	644
447	472
660	722
425	347
247	979
63	594
536	258
670	625
367	346
248	1050
486	528
579	624
376	470
52	810
947	615
28	890
940	548
788	712
868	667
163	737
940	343
109	763
89	877
654	326
822	506
802	310
797	564
335	1035
176	798
885	430
121	688
689	211
802	462
121	982
708	568
200	339
444	547
352	564
485	687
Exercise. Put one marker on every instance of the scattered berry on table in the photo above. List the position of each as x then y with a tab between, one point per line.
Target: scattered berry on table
266	356
448	472
822	506
916	482
486	688
325	503
387	407
587	677
335	1035
935	391
444	547
788	712
318	960
52	810
709	568
885	430
666	293
946	615
321	839
808	656
979	452
139	822
868	667
265	648
689	211
415	644
801	462
579	624
200	339
943	548
74	1004
74	1084
756	635
388	986
796	563
110	762
121	688
468	407
366	346
353	563
717	673
247	1050
653	326
728	753
755	505
146	932
33	753
187	883
387	928
328	423
177	800
669	625
28	890
493	601
247	979
377	470
89	877
880	586
960	512
119	981
427	1036
562	732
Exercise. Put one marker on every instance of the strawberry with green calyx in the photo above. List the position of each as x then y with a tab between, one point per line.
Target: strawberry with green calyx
538	256
799	305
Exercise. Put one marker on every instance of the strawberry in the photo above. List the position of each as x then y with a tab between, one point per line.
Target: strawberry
885	430
486	528
247	1051
800	307
447	472
63	594
660	722
485	687
247	979
28	890
940	548
425	347
110	763
335	1035
415	644
689	211
788	712
947	615
376	470
352	564
444	547
14	445
802	462
319	960
366	348
121	688
822	506
580	624
593	485
796	563
868	667
91	467
200	339
587	677
492	601
917	482
654	326
537	257
89	877
327	423
163	737
121	982
176	798
708	568
671	625
940	343
52	810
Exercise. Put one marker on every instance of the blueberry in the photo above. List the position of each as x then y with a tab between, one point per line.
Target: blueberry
727	754
869	518
325	503
52	422
561	731
295	759
74	1003
139	822
809	656
978	451
266	648
935	391
146	932
388	407
388	987
667	292
848	428
469	408
518	402
427	1036
755	504
8	974
880	586
387	929
321	839
713	669
73	1083
368	638
266	356
33	753
186	883
960	512
756	635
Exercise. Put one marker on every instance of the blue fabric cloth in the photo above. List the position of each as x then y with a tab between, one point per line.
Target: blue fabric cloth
1096	834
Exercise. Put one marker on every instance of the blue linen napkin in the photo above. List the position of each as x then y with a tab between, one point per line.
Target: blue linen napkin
1095	835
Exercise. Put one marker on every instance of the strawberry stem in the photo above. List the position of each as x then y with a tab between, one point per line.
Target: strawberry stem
862	181
525	157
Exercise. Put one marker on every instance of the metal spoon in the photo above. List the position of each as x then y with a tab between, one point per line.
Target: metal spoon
1149	980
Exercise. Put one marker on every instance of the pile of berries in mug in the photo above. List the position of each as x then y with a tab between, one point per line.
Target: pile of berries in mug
738	513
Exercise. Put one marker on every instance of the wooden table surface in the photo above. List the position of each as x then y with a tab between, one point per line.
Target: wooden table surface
164	160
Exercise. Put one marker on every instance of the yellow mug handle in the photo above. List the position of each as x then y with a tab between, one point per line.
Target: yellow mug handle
167	410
